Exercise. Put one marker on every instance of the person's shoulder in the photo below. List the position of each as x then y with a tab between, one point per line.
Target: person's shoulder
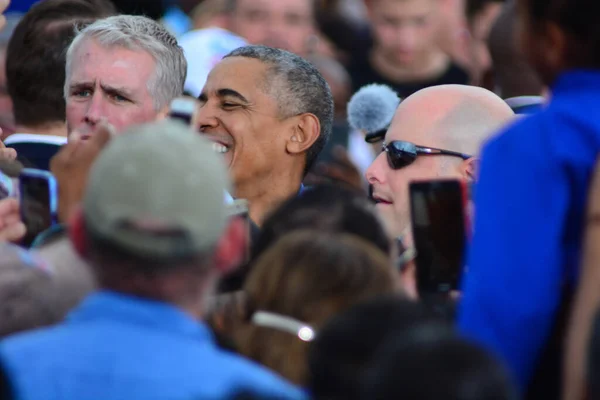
248	375
17	351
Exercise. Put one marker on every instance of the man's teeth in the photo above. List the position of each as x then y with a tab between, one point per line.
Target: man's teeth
219	148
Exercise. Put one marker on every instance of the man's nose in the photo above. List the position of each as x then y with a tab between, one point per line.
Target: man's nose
374	173
96	109
206	118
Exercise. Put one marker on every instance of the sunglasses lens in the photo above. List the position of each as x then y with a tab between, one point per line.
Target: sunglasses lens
401	154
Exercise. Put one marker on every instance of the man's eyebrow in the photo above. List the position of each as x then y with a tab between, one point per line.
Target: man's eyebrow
79	85
231	93
116	90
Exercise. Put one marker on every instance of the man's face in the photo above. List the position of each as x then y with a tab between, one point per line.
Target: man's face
237	112
110	83
404	30
390	187
285	24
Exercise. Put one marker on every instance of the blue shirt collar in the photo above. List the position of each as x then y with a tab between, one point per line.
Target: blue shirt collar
577	81
156	315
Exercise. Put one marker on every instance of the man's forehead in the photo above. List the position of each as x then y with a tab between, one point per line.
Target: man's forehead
412	123
278	5
238	73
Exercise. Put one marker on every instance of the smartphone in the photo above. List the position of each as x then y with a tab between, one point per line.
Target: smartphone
183	109
439	225
38	192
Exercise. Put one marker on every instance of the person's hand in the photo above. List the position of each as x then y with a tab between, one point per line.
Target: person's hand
3	6
12	229
72	164
341	171
6	153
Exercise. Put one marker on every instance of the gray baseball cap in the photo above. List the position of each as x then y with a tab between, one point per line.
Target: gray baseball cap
156	191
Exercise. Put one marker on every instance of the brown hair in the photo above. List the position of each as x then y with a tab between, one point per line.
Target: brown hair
308	276
35	59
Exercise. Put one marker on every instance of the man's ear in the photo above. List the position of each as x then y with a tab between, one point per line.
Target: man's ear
306	131
470	169
555	45
77	235
233	246
163	113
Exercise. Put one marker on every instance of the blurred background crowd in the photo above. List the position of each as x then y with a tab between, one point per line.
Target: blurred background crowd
300	199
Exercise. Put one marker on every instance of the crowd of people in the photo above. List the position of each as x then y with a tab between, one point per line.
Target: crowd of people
230	209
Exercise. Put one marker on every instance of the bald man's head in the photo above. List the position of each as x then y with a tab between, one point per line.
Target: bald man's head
454	118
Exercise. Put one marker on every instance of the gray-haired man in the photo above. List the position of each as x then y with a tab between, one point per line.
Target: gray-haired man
125	69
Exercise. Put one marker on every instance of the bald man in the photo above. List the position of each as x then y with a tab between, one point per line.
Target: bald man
454	118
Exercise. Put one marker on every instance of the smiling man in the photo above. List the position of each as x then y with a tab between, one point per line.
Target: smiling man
436	133
271	111
125	69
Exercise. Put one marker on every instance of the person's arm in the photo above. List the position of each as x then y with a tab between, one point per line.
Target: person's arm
513	284
587	301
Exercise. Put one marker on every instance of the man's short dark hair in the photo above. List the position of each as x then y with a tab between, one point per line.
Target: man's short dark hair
347	345
35	60
513	74
579	20
298	87
428	364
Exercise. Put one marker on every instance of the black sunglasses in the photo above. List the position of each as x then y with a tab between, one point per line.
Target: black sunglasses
400	154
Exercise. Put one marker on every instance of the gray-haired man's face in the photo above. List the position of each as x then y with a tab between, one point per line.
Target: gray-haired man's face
109	83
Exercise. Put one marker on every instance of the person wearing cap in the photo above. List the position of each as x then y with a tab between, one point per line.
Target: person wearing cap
154	227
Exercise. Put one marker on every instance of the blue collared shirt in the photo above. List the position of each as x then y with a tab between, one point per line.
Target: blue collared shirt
529	214
119	347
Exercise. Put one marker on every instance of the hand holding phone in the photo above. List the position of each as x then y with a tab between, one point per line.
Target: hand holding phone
38	202
439	224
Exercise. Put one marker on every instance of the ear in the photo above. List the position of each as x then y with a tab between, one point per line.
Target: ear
470	169
76	231
555	43
163	113
232	246
306	131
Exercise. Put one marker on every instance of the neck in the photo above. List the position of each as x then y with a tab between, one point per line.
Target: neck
185	290
50	129
426	66
267	194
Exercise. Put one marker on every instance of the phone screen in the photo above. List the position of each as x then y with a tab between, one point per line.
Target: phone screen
439	232
38	202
